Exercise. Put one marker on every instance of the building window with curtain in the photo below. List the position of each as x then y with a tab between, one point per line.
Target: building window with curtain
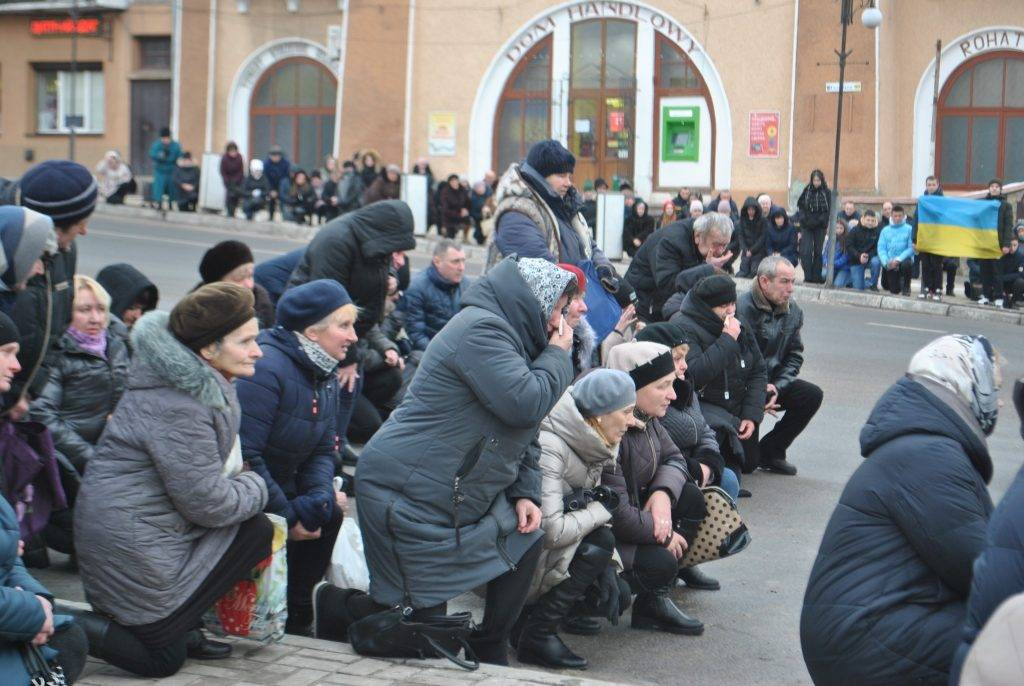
61	93
524	113
980	132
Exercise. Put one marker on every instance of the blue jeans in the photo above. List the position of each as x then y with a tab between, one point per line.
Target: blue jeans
730	483
857	273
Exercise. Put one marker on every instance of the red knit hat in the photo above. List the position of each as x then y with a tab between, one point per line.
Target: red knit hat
581	280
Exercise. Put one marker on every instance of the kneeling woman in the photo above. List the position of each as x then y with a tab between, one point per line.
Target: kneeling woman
449	488
660	506
578	439
290	431
166	520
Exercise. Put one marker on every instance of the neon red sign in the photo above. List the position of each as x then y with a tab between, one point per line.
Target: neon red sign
86	26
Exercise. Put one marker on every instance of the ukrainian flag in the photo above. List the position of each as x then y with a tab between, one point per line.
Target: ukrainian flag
958	227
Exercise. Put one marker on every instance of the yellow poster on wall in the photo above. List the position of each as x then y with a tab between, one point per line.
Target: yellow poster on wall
441	134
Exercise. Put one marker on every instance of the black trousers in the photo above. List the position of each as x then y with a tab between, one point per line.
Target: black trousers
950	266
931	272
800	401
72	646
897	280
654	567
991	279
159	649
117	197
812	242
232	198
373	405
307	564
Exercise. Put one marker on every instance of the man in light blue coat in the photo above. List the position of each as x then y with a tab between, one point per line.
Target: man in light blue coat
896	253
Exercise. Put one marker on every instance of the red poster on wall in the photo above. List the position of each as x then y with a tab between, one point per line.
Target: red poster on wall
764	133
616	121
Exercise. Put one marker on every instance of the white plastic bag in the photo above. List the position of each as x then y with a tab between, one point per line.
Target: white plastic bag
348	563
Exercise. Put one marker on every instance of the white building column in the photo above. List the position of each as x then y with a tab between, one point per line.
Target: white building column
561	53
643	130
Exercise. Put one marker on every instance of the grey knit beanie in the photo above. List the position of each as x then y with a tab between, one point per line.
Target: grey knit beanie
603	391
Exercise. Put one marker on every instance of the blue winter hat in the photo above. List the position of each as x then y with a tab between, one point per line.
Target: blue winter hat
63	190
305	305
550	157
603	391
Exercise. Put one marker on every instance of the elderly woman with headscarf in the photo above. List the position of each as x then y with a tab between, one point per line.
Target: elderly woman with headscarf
450	487
113	178
885	603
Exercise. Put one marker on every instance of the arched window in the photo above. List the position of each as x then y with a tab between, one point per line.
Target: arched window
524	112
675	76
980	132
293	106
602	99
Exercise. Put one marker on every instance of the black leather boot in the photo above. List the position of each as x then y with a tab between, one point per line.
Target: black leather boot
581	625
654	610
199	647
334	610
693	577
489	650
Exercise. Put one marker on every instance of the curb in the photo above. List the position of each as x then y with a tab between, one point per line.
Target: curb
425	244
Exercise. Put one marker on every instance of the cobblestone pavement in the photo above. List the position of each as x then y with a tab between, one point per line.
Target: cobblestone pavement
299	661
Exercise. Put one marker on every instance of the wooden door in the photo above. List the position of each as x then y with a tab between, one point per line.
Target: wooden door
151	111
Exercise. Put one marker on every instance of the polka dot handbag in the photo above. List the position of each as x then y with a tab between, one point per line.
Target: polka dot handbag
721	534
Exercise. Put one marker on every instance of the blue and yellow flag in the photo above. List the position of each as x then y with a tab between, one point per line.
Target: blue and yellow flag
958	227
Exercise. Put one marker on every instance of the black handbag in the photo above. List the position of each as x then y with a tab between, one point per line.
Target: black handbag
41	672
392	633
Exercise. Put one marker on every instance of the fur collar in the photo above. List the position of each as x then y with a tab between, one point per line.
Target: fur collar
583	346
171	364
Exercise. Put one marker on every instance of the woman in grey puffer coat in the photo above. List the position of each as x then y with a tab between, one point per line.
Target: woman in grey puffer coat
167	520
449	488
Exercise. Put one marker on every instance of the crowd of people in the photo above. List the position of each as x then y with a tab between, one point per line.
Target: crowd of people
512	439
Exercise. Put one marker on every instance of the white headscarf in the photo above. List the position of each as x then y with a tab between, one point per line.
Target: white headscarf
965	365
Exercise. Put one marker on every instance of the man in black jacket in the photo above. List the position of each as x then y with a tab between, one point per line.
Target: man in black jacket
991	270
690	250
66	192
862	248
767	311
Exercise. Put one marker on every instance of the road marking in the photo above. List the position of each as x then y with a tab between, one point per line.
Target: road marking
173	241
905	328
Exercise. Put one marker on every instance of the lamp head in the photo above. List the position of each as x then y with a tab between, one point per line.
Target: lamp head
871	17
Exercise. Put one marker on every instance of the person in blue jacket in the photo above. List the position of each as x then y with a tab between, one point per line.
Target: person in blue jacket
886	597
841	276
896	253
999	570
780	237
289	429
274	274
26	607
435	295
165	153
277	168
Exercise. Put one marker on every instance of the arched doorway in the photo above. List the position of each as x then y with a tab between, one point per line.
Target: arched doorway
524	113
980	132
293	105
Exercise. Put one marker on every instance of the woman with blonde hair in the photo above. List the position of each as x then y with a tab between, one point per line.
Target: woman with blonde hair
85	383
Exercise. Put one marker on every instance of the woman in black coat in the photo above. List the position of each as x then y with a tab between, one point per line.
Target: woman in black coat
751	230
639	225
885	603
814	204
455	208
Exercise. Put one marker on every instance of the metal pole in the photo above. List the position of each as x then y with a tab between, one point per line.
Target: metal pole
846	18
74	74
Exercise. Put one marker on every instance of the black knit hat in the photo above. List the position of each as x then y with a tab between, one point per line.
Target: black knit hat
8	331
716	290
550	157
165	132
63	190
210	313
666	333
222	259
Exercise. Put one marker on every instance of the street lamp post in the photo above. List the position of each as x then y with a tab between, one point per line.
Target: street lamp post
871	19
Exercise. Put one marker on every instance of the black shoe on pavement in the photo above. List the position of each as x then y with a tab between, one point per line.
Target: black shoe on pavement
579	625
199	647
744	493
693	577
778	465
655	611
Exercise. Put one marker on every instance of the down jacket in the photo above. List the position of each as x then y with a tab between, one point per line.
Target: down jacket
885	600
677	262
289	429
355	250
429	304
727	372
572	455
777	332
437	483
640	275
648	461
998	571
155	512
81	393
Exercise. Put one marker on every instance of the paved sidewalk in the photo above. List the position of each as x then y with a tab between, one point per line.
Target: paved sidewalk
299	661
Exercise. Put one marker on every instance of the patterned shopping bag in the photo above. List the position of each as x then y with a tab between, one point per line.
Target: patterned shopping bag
257	607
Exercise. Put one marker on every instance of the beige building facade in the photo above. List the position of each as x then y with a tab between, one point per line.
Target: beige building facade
738	94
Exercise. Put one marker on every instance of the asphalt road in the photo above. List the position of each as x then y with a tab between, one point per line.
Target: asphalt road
752	624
